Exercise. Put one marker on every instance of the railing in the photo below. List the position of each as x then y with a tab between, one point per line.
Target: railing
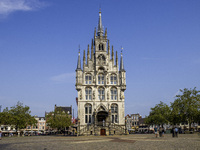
102	124
86	128
118	127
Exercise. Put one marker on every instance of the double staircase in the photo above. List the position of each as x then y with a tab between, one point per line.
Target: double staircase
103	129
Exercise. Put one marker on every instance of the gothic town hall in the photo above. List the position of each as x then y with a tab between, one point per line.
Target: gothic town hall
100	85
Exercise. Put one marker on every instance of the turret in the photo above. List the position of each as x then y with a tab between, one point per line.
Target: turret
78	73
79	62
122	74
121	63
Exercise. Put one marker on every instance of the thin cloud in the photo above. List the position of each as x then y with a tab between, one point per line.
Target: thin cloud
63	78
10	6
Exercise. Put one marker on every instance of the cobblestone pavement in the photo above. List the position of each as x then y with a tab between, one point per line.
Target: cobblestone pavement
125	142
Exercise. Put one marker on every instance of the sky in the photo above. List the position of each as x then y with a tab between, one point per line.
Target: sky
39	44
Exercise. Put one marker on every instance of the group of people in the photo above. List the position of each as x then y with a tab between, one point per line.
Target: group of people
159	132
174	132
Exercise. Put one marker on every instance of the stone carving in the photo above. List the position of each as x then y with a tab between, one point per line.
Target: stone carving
93	94
108	95
81	94
121	95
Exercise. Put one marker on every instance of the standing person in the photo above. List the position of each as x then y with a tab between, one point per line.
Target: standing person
176	132
163	131
0	135
156	131
160	131
172	132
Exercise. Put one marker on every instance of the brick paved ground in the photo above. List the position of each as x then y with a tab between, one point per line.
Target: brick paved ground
128	142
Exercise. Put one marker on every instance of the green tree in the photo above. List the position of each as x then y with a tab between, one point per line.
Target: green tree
18	116
186	107
159	114
58	120
5	117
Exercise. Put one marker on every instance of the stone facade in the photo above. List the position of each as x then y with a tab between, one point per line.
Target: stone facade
100	85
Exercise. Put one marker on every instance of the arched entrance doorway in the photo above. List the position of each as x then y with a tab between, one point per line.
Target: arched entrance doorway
101	118
101	121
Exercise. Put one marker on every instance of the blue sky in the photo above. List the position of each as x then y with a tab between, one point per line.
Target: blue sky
39	42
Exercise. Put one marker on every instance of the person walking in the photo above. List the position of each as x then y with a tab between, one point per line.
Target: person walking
156	131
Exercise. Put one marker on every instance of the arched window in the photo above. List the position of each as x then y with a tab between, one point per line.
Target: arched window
88	113
101	47
100	79
88	93
114	113
113	92
101	93
88	79
113	79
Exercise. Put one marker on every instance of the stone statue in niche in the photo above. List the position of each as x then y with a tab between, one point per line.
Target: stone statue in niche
93	94
81	94
121	95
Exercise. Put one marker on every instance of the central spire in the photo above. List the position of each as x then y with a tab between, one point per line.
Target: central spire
100	27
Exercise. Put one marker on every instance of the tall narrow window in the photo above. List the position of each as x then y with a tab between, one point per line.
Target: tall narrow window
101	93
88	93
113	94
101	47
88	113
113	79
114	113
88	79
101	79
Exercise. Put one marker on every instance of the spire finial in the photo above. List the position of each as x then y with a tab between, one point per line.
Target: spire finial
100	27
121	61
79	60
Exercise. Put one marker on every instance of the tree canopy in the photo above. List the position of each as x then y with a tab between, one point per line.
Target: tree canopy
186	107
58	119
159	114
18	116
